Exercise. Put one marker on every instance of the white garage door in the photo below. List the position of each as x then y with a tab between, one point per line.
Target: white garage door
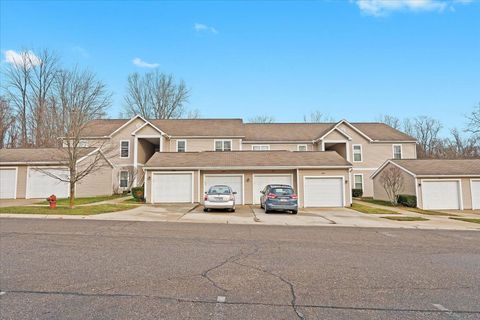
233	181
261	180
172	187
8	183
323	192
42	184
476	194
441	194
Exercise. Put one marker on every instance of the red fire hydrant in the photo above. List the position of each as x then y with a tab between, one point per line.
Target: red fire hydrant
52	200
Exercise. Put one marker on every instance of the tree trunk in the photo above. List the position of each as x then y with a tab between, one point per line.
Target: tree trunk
72	194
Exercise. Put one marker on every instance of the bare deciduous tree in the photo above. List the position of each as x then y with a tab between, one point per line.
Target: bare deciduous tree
155	95
82	98
426	130
8	134
262	119
17	81
392	181
391	121
317	117
474	121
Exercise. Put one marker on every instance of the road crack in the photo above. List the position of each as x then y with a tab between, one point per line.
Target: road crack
293	302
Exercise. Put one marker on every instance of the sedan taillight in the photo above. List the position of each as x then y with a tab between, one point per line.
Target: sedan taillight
205	197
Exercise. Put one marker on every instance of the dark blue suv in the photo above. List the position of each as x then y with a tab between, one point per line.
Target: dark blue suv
279	197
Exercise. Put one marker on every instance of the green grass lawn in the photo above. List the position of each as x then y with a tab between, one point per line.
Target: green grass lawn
472	220
405	218
379	202
429	212
86	200
83	210
371	210
133	200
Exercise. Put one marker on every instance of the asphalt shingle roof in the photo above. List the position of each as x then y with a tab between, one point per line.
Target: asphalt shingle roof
427	167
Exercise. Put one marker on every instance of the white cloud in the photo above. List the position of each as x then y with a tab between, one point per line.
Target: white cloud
199	27
22	58
143	64
384	7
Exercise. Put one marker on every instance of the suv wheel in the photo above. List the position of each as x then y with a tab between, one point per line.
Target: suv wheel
294	211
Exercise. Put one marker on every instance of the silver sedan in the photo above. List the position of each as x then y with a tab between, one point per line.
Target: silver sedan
219	197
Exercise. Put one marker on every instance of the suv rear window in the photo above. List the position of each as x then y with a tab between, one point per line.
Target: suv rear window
282	191
219	190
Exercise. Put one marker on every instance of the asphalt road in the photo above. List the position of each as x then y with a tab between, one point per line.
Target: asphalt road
74	269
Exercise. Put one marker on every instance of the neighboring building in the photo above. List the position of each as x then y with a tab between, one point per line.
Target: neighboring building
437	184
137	145
30	174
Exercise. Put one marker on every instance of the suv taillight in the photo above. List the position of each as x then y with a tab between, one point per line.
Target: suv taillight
294	196
271	196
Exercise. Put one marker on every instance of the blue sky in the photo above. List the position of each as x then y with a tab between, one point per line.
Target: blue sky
348	59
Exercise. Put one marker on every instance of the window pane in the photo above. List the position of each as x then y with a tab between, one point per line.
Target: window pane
357	157
123	179
124	149
397	152
302	148
357	153
358	181
227	146
218	146
181	146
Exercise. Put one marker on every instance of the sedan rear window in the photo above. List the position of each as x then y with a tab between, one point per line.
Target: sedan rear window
219	190
282	191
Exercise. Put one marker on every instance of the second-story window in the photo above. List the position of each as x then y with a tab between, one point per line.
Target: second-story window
357	153
124	149
223	145
302	147
181	145
397	151
260	147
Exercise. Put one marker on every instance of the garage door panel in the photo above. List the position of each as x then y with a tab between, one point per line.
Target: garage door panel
441	194
233	181
475	194
260	181
323	192
43	182
8	183
172	187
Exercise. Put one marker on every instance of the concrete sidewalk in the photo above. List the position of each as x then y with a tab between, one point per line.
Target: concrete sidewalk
253	215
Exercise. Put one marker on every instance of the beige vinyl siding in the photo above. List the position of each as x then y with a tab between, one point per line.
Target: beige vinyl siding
368	188
376	153
325	173
98	183
280	146
335	135
379	192
465	186
113	148
247	180
148	131
200	144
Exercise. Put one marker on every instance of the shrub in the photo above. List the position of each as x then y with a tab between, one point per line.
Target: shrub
357	193
138	193
407	200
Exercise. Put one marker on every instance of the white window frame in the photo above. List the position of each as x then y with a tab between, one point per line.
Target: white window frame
354	182
353	152
120	178
302	145
122	141
393	151
261	146
223	144
176	145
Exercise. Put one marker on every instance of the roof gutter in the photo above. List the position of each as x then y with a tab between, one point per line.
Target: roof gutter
248	168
